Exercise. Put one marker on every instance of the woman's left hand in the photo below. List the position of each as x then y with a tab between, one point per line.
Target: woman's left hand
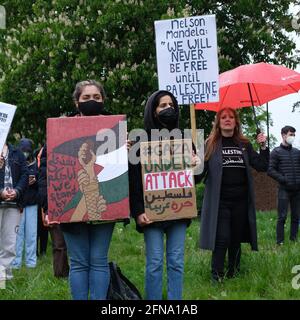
261	139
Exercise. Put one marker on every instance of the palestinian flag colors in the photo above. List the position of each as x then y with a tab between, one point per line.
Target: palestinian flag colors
87	169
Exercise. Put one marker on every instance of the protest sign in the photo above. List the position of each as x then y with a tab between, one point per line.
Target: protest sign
7	112
187	58
168	180
87	168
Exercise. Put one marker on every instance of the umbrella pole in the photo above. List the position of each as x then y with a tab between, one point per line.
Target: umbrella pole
255	118
268	125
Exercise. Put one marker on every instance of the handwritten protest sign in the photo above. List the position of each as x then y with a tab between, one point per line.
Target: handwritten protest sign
87	168
187	59
7	112
168	181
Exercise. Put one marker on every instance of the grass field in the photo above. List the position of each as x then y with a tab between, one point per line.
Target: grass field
266	274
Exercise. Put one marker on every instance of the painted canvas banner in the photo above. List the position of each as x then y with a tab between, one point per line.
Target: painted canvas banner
87	168
168	180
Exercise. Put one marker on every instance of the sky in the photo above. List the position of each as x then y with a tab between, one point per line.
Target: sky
281	108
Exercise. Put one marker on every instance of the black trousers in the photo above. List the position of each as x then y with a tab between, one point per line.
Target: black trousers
42	235
231	230
284	199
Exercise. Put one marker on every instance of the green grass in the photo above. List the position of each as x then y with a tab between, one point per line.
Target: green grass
264	275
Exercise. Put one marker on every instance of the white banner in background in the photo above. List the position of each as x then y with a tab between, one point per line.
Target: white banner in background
7	112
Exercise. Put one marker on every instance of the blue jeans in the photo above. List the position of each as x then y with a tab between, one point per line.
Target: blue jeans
89	270
27	233
154	241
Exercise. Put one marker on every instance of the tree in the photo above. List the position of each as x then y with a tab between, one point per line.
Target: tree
50	45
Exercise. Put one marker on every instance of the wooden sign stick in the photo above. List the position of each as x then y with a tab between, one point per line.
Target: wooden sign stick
193	123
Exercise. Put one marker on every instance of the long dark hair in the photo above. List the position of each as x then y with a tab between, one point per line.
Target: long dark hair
216	134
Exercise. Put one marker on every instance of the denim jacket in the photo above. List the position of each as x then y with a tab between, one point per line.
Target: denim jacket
19	172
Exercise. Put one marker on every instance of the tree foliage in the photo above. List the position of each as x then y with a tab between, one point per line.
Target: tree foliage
50	45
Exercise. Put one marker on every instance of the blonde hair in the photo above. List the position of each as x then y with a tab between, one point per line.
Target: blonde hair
216	134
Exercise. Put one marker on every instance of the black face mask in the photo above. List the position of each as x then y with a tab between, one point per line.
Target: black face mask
168	118
91	107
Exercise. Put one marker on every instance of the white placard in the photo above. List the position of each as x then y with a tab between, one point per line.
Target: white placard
187	58
7	112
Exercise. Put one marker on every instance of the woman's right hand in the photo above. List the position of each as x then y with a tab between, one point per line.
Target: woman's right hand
143	220
46	222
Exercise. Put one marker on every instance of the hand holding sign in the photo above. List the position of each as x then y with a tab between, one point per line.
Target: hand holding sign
196	161
143	220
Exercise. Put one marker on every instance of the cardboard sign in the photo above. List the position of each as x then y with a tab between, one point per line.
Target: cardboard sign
187	58
168	180
87	168
7	112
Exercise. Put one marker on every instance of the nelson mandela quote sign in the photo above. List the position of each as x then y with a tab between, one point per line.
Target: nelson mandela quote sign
187	59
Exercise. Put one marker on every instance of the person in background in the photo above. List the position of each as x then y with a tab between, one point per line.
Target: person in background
161	112
59	248
284	167
13	183
228	215
27	230
42	231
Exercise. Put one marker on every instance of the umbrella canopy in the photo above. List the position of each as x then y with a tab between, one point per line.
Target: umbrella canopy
253	85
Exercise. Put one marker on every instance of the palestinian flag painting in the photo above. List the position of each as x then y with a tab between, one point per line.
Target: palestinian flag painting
87	168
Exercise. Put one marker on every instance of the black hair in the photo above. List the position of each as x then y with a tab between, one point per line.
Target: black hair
287	129
160	95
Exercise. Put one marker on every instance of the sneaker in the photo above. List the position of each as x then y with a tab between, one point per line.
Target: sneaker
280	243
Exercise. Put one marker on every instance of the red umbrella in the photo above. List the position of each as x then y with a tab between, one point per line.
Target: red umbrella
253	85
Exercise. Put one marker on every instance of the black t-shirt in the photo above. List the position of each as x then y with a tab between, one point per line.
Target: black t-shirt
234	178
